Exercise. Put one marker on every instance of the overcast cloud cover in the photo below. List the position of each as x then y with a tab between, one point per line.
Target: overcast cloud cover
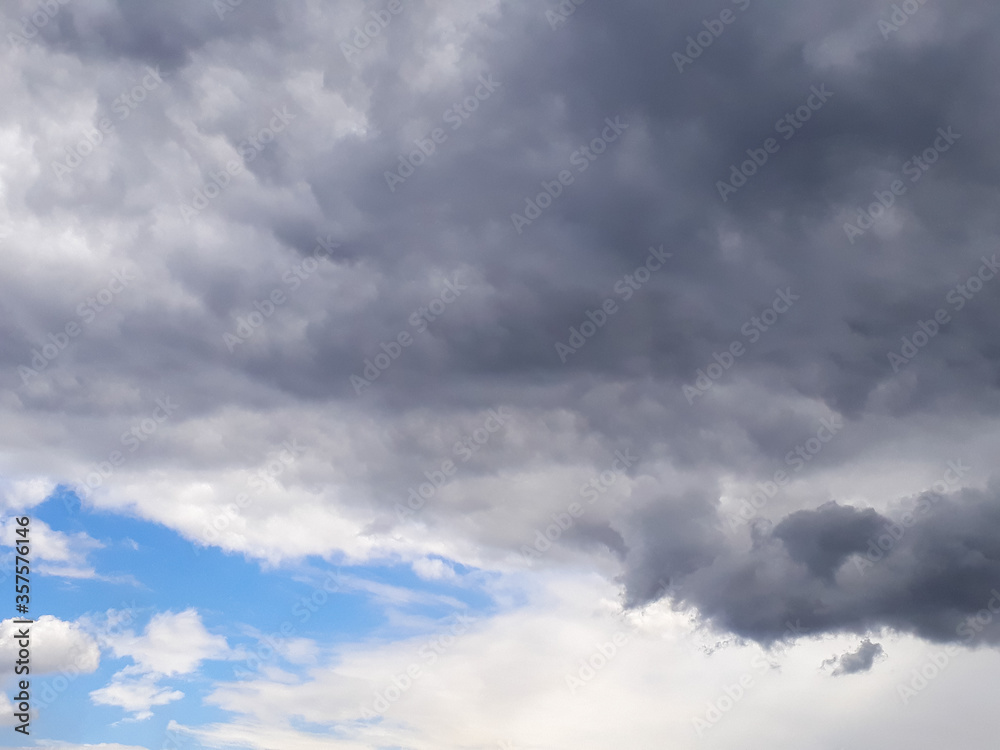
611	365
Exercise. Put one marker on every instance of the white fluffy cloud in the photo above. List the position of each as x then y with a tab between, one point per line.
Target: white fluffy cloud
172	644
54	553
135	693
23	494
56	645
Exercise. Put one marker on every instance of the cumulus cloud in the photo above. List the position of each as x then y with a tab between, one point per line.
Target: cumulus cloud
56	553
172	644
841	568
56	645
20	495
854	662
135	693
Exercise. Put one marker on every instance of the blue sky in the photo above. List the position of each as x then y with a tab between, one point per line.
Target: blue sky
142	569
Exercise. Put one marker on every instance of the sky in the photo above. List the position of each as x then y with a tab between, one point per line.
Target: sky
501	375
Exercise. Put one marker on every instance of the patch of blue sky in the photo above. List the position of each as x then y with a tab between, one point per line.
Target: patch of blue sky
148	569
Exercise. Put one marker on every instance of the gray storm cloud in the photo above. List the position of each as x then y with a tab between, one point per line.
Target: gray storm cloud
465	308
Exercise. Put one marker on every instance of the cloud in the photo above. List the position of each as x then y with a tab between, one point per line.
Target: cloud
433	569
56	645
173	196
838	568
23	494
54	553
136	694
172	644
853	662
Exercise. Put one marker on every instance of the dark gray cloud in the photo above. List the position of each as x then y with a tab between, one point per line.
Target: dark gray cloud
932	571
734	266
854	662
